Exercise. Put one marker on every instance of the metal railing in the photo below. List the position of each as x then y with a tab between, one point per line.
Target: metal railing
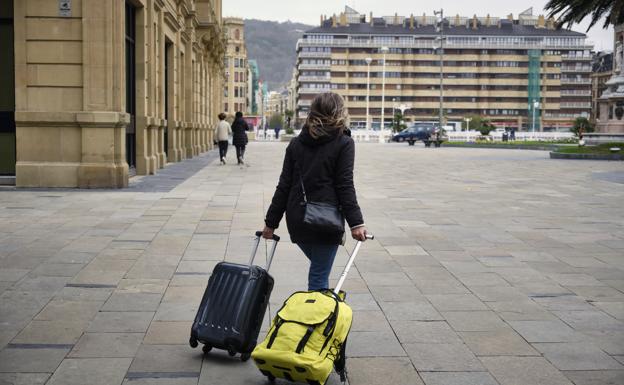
575	92
306	66
575	81
315	54
305	78
576	69
575	105
306	90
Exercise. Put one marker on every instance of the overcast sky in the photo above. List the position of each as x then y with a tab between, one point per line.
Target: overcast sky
309	11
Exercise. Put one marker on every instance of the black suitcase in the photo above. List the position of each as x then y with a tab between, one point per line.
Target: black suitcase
232	309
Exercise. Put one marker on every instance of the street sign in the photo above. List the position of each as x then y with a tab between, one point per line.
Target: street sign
65	8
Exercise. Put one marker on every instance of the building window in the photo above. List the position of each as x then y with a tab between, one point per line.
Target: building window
237	35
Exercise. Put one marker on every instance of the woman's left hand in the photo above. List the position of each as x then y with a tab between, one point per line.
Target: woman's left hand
267	233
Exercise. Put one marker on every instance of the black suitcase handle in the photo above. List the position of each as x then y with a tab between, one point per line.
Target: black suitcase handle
276	238
254	251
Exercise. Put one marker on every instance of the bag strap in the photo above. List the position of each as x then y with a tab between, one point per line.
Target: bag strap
305	198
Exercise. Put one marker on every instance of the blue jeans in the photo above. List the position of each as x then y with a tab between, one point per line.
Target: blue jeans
321	260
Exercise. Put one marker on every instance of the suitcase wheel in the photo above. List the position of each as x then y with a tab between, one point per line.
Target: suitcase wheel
193	342
245	356
206	348
231	352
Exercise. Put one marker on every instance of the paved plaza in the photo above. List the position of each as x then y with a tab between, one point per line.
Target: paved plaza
488	267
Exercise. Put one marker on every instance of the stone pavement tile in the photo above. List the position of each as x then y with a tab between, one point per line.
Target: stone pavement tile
97	371
611	341
537	256
121	301
184	294
57	269
72	257
498	293
427	273
397	293
163	380
95	345
427	332
151	271
51	332
501	342
6	335
598	293
98	277
177	311
619	359
121	322
614	309
406	250
543	289
47	284
84	294
194	267
456	302
12	275
590	320
444	255
374	344
458	378
369	321
443	358
31	360
168	333
362	301
23	378
577	356
441	286
374	267
567	302
142	285
596	377
524	371
219	368
386	279
382	371
520	310
482	279
59	309
412	261
575	280
546	331
474	321
17	308
410	311
167	358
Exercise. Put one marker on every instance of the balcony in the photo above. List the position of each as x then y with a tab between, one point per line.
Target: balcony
315	54
307	90
314	79
576	57
303	103
575	81
575	105
303	66
575	92
576	69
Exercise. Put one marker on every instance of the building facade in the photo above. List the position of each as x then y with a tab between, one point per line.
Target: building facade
253	86
497	68
103	88
236	72
611	103
602	69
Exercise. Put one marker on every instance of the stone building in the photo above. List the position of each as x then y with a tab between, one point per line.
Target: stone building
236	72
602	69
610	125
103	88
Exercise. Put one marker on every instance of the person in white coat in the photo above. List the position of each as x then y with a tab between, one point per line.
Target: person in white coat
223	133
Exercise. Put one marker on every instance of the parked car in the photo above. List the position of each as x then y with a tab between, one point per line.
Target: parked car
414	133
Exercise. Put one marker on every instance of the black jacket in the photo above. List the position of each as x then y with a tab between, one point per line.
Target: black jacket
239	132
327	168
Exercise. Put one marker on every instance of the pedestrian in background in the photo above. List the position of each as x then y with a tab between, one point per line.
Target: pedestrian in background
239	140
223	133
277	130
318	168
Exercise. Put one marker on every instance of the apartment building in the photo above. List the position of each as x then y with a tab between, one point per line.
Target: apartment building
94	91
236	87
507	69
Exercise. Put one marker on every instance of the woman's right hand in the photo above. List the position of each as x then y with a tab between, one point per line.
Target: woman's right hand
267	233
359	233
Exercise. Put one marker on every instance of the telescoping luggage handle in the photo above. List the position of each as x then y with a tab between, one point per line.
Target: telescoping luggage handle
343	276
276	239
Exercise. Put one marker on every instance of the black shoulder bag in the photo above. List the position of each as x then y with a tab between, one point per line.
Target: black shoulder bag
321	216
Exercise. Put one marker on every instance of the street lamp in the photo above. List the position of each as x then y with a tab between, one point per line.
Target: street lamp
536	105
440	29
368	63
383	95
467	120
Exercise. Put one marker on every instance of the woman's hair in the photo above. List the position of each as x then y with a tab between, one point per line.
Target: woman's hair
239	114
327	115
222	116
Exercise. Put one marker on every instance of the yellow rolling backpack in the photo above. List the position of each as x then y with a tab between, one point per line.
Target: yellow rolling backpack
308	335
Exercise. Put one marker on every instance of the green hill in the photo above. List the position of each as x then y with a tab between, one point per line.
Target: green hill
272	44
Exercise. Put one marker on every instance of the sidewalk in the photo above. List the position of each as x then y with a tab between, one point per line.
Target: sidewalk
488	267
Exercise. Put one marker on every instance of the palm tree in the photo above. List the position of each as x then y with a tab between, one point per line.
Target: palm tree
573	11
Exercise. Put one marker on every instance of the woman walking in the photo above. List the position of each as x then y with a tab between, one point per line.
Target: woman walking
318	167
240	128
223	133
